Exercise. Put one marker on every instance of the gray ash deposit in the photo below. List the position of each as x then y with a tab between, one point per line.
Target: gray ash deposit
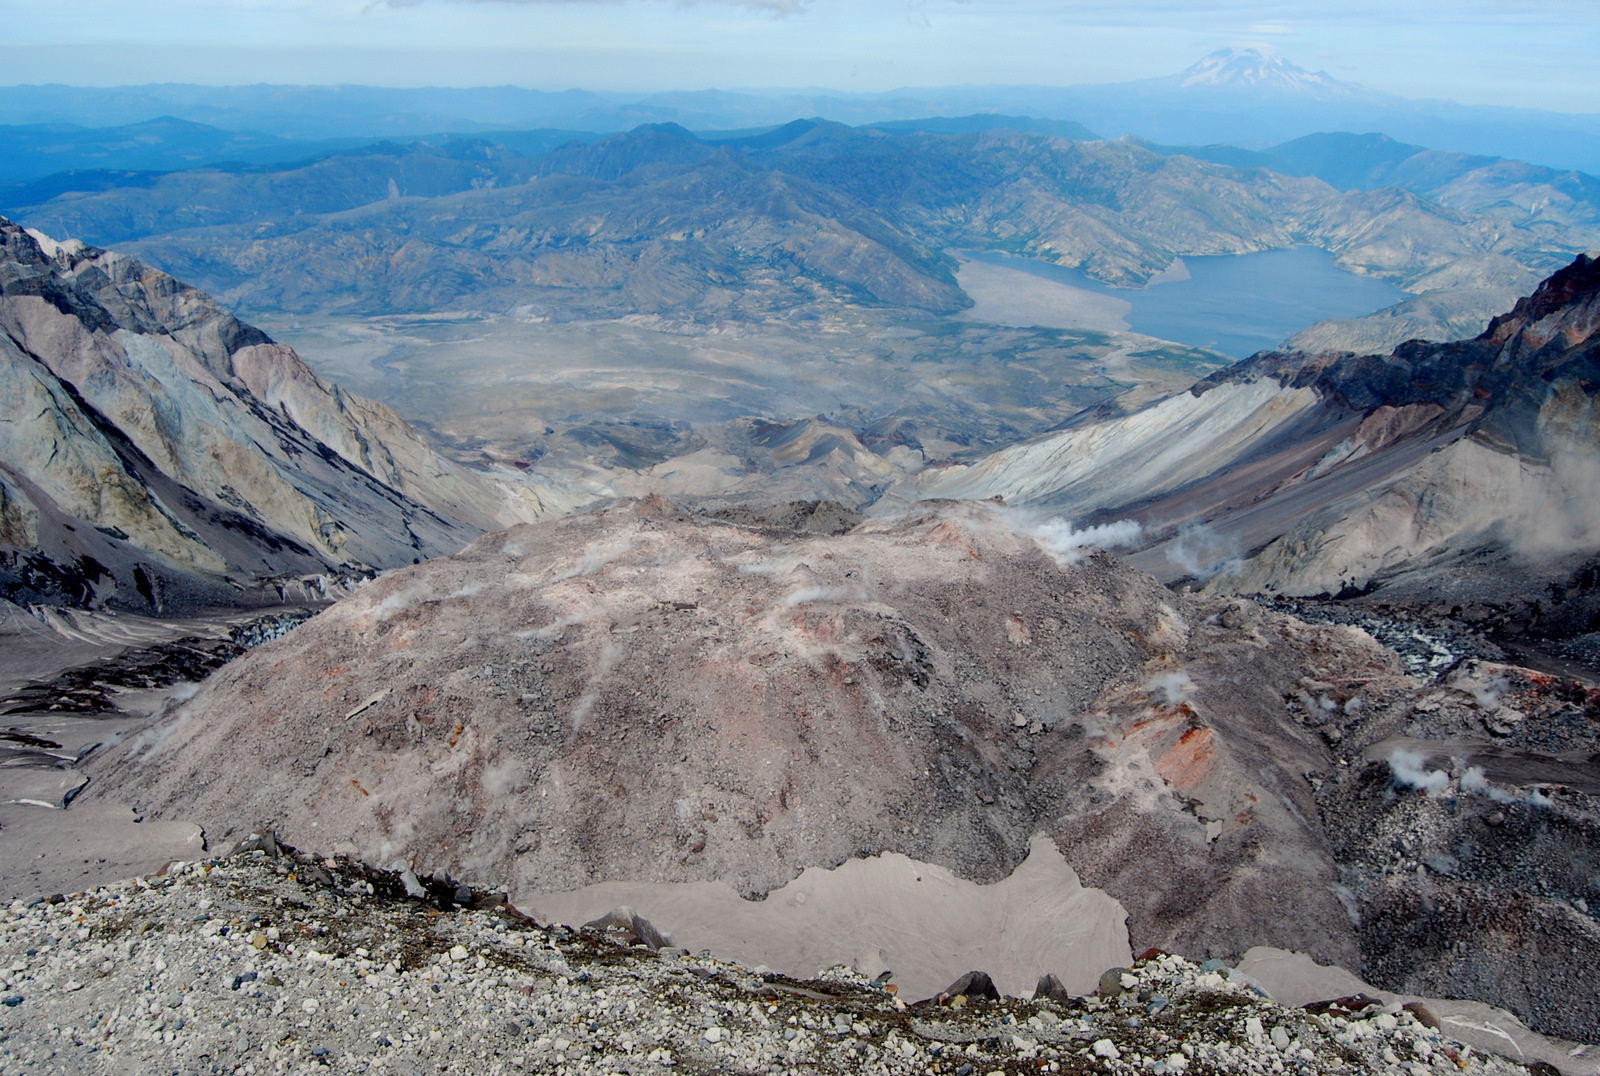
264	962
93	688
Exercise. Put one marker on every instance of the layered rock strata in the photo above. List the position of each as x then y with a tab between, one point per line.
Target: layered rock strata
1456	476
160	454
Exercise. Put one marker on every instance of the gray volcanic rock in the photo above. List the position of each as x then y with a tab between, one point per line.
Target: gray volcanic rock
638	695
1514	439
160	452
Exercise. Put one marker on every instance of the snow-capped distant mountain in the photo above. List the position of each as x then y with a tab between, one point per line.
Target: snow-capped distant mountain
1257	69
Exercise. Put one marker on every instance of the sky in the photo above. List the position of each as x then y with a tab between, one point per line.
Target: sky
1531	53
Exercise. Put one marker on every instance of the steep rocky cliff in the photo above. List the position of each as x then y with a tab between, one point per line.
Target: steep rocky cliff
1462	473
157	453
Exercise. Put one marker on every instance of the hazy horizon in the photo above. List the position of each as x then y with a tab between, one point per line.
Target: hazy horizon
1472	52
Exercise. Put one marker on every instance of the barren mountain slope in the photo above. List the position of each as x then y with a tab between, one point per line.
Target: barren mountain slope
1563	206
658	221
647	222
1553	210
1469	463
637	694
1451	304
159	451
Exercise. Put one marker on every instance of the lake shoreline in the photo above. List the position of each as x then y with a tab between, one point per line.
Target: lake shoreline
1236	304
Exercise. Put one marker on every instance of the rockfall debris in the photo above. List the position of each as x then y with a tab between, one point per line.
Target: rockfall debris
641	695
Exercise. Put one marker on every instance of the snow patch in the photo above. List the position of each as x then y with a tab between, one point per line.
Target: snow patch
54	248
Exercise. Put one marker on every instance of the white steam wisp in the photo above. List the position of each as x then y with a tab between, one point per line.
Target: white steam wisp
1203	553
1409	769
1173	687
817	594
1067	544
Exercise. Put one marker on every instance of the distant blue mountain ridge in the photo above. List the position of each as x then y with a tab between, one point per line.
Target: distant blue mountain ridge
41	162
1246	98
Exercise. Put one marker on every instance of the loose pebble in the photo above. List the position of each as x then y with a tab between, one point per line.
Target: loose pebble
269	969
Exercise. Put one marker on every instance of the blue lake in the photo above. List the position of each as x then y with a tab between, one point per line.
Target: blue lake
1235	304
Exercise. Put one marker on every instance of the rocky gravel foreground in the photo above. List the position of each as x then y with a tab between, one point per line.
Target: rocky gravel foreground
275	961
